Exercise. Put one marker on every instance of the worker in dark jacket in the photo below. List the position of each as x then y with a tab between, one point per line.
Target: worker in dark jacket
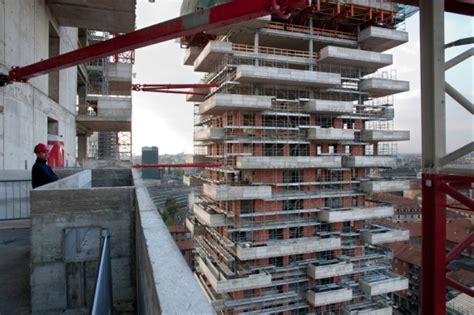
42	174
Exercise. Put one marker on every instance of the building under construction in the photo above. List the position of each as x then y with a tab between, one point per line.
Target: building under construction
300	126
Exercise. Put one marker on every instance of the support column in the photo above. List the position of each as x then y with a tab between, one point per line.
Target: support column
433	135
256	44
81	148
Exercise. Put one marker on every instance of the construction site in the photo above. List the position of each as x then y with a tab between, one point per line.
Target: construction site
293	136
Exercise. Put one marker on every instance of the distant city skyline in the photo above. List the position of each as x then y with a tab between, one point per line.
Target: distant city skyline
166	120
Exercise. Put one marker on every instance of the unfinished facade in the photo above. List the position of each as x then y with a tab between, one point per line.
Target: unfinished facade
301	126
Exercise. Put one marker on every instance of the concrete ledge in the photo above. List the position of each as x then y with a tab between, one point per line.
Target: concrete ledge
369	161
380	39
287	162
381	235
330	270
376	186
328	107
385	135
331	134
354	57
353	214
220	103
378	87
164	277
208	217
329	297
82	179
382	285
225	192
211	56
209	134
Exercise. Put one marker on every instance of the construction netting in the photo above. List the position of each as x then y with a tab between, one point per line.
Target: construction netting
189	6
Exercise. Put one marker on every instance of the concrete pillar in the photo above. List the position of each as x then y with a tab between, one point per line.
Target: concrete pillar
256	44
81	148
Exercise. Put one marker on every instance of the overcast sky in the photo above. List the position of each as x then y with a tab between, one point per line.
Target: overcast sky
166	120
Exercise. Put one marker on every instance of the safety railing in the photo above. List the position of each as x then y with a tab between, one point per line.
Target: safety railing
274	51
14	199
306	30
103	301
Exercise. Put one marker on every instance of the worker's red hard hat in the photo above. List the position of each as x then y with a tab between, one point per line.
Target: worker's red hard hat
41	147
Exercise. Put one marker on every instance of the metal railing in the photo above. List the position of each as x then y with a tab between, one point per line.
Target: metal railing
15	199
103	301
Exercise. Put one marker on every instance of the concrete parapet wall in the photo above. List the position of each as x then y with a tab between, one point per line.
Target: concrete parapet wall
329	297
330	134
211	55
355	214
385	135
288	247
369	161
209	219
114	107
329	271
383	286
354	57
165	283
209	134
82	179
292	77
385	186
328	107
106	164
225	192
287	162
389	236
221	285
56	211
219	103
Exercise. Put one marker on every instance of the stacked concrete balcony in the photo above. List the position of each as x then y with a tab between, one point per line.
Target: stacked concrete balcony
369	161
287	162
113	114
225	192
220	103
211	56
378	87
378	234
376	186
221	284
330	134
328	107
209	134
330	270
208	216
354	57
190	55
283	76
355	214
297	246
376	284
384	135
380	39
336	294
368	307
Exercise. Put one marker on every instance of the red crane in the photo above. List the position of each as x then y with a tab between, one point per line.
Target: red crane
173	88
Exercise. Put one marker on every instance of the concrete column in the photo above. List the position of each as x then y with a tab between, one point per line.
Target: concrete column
311	43
81	147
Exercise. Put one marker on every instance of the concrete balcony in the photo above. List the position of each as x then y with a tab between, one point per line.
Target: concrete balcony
192	181
249	251
212	55
287	162
384	135
376	284
330	134
221	284
330	270
328	107
194	226
95	15
376	186
113	114
209	134
379	234
119	78
354	57
377	87
220	103
380	39
208	217
334	295
367	308
281	76
224	192
190	55
355	214
369	161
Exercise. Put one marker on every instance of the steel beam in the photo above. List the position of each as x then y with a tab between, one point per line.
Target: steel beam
186	165
456	154
458	97
217	16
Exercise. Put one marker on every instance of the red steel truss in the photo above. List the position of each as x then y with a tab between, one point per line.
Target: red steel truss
173	88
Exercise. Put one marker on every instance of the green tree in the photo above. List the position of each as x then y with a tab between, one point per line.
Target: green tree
169	212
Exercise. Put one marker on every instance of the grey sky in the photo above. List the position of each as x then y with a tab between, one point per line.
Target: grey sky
166	120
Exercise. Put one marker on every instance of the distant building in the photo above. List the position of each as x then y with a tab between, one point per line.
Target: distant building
150	156
185	242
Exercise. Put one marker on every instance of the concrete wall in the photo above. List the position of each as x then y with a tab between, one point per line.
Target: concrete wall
329	297
24	37
383	286
285	162
328	271
209	134
219	103
330	134
355	214
58	282
210	219
224	192
165	283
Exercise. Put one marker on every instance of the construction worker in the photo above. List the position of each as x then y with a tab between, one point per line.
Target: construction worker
42	174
